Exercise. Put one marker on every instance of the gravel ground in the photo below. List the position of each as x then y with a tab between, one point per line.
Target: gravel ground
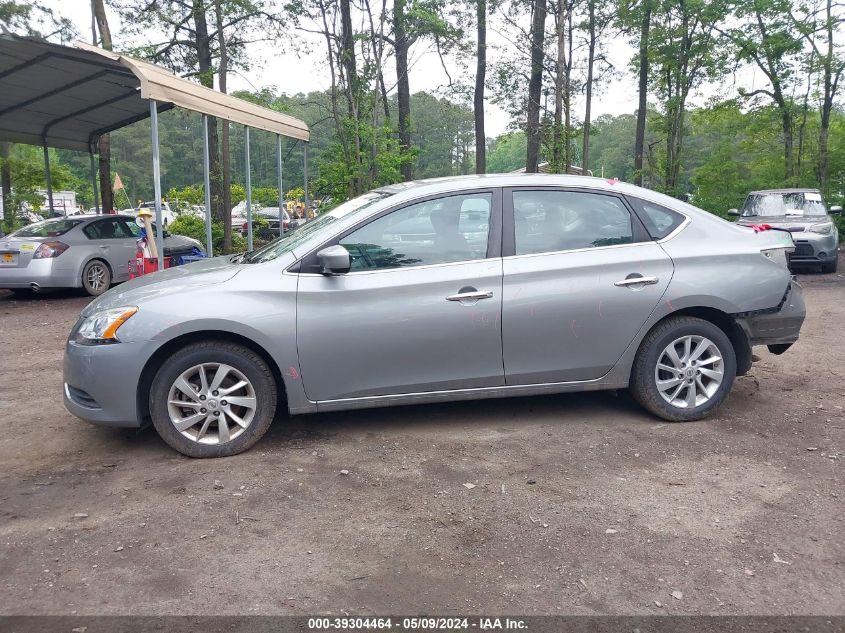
582	504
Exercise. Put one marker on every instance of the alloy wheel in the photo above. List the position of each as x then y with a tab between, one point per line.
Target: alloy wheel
689	371
211	403
96	277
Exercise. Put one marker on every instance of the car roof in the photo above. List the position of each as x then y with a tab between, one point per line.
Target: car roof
788	190
454	184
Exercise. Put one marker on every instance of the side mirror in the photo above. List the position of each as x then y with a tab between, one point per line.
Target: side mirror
835	210
334	260
733	212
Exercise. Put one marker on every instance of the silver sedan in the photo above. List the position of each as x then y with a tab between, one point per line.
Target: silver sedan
450	289
81	251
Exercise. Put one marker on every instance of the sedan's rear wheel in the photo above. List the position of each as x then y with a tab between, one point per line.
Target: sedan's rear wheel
684	369
96	277
213	399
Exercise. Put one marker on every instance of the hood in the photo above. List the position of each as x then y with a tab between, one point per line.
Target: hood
176	280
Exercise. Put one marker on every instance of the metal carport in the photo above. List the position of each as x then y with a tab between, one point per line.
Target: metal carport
68	96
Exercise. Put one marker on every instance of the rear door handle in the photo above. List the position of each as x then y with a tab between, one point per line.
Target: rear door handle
633	281
474	295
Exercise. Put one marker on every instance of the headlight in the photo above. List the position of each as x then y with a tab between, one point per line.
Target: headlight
101	327
823	229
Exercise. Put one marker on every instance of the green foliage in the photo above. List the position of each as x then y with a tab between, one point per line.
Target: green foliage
193	226
443	135
33	19
26	164
507	153
186	196
374	168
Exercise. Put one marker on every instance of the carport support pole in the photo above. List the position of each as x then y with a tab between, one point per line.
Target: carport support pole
248	191
48	179
305	175
94	180
157	183
206	172
281	191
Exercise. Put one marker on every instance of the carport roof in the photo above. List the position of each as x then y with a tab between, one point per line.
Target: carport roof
69	96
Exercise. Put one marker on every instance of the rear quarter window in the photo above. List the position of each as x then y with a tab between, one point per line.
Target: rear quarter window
659	221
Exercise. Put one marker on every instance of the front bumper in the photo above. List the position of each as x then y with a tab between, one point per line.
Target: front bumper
779	327
101	382
814	248
46	273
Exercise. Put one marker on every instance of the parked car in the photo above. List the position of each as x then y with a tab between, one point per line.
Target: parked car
581	284
83	251
271	214
803	213
167	214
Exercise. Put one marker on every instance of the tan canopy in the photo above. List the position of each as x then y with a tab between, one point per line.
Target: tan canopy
68	97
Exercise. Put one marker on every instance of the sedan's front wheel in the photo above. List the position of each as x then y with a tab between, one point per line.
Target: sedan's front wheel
213	399
684	369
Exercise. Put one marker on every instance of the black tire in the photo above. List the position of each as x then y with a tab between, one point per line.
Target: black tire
830	267
96	277
245	361
643	380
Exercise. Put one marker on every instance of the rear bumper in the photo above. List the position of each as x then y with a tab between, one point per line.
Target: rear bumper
780	326
46	273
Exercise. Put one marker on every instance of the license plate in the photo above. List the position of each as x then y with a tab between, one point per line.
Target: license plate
9	258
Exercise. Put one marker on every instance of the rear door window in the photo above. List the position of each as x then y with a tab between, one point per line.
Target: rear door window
548	221
107	229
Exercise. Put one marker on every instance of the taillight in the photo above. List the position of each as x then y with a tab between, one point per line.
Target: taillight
48	250
285	225
244	227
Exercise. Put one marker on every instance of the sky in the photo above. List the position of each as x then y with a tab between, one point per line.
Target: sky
292	73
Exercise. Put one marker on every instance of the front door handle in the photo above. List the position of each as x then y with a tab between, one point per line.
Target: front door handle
633	281
472	295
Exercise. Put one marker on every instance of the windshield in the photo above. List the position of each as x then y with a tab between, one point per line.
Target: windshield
798	203
305	232
48	228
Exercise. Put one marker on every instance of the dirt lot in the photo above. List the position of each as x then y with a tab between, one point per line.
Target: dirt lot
582	504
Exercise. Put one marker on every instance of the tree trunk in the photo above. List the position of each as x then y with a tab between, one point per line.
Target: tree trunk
535	86
225	154
567	91
206	77
591	57
639	140
560	69
831	86
104	143
824	129
478	97
788	160
6	186
347	56
403	88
